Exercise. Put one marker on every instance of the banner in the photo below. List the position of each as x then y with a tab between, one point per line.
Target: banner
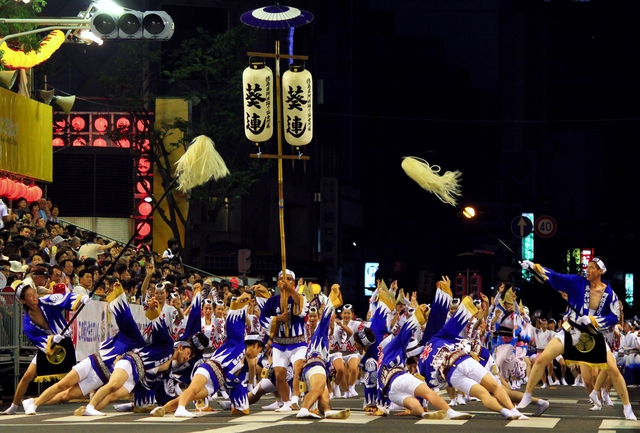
26	134
95	325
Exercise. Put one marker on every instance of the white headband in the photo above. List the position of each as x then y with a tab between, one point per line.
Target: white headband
249	338
413	349
363	338
347	307
288	273
600	264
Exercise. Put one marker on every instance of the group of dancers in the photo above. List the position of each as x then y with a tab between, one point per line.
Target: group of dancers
305	348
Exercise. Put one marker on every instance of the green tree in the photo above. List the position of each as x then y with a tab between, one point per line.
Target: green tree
13	9
209	68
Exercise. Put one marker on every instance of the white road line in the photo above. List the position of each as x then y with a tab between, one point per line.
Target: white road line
169	418
442	421
74	418
355	418
239	428
534	423
561	400
615	424
262	417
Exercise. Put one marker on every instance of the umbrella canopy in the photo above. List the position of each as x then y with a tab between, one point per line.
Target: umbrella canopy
276	17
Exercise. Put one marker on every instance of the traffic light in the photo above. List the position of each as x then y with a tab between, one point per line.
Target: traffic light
154	25
158	25
130	25
105	25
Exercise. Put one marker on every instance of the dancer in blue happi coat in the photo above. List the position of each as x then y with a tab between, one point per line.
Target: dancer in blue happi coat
449	360
226	369
135	365
316	367
44	320
397	385
94	371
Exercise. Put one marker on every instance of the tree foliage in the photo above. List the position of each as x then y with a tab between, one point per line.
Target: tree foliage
206	69
209	68
14	9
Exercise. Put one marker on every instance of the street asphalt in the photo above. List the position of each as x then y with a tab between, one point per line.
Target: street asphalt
568	413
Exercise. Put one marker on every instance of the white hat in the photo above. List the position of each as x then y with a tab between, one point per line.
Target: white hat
413	348
288	273
16	267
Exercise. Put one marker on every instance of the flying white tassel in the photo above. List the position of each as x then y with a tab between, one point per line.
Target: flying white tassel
445	186
199	164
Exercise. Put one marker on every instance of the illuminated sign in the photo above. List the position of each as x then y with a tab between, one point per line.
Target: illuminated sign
586	254
628	289
370	269
527	247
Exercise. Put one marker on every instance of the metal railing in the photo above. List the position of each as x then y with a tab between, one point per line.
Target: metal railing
10	337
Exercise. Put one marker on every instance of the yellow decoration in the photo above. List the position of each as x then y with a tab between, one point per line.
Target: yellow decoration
20	59
445	186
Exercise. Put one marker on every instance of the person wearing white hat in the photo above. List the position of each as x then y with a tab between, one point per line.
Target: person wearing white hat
594	308
350	355
289	345
44	320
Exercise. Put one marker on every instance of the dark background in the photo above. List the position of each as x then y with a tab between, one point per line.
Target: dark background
535	102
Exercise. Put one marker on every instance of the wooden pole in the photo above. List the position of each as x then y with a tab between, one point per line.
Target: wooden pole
284	297
284	294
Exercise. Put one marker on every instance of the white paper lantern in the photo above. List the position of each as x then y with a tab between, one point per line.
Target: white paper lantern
257	84
297	101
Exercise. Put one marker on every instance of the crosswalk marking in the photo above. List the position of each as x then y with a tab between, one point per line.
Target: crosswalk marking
614	424
74	418
262	417
169	418
443	421
8	418
238	428
355	418
561	400
534	423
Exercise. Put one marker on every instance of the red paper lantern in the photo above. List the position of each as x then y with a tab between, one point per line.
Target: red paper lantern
22	189
11	189
2	187
38	193
30	193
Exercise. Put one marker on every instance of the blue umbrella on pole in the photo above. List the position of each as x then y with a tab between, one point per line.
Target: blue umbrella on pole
276	17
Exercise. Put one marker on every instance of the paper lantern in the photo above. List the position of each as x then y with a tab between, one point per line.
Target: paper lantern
22	189
33	193
38	193
20	59
257	84
3	188
12	190
297	98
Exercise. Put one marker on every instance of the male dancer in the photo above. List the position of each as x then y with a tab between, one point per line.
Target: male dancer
595	308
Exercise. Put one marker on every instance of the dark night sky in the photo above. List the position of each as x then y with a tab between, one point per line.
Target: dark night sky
536	103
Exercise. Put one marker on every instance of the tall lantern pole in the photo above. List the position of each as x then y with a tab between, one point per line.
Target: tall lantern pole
277	17
279	156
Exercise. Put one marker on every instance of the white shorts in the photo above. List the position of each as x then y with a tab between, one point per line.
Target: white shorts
468	373
346	358
267	386
209	385
283	358
125	365
403	387
318	369
89	379
335	356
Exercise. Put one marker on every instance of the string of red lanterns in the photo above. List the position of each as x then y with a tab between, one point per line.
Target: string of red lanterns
13	190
